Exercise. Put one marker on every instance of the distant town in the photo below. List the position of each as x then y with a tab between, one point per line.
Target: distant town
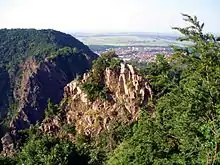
132	46
139	53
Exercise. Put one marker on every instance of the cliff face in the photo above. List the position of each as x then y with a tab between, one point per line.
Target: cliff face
127	93
40	82
19	45
35	65
4	88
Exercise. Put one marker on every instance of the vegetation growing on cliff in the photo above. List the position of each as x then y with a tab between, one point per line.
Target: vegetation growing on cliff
68	57
52	110
95	87
184	127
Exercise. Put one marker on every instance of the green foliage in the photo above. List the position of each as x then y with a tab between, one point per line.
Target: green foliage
163	74
27	134
94	91
48	150
108	59
186	127
114	63
8	160
95	87
52	110
68	128
18	44
66	51
99	147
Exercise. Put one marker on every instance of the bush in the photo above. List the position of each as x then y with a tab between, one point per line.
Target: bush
49	150
8	160
69	129
108	59
95	87
94	91
52	110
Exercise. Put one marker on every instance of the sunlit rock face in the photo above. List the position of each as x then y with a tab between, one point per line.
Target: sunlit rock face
128	91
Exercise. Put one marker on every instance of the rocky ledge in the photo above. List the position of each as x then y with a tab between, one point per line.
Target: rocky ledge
127	92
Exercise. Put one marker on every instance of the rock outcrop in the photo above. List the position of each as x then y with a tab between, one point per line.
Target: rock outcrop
8	144
128	91
39	82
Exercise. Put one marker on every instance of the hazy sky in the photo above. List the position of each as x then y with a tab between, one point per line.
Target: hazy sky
107	15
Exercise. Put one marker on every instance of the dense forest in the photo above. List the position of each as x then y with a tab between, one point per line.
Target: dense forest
18	44
37	56
179	125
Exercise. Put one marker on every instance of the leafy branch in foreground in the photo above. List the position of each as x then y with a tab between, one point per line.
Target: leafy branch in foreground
186	129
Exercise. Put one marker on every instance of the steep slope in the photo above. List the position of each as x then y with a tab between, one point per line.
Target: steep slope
127	92
18	44
112	92
41	82
120	96
35	65
179	124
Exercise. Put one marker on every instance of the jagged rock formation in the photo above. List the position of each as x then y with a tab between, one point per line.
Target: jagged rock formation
8	144
127	92
54	127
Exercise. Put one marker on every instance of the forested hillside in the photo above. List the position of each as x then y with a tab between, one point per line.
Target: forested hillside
18	44
35	65
163	112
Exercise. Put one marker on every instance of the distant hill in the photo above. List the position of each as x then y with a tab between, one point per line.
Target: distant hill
126	34
35	65
18	44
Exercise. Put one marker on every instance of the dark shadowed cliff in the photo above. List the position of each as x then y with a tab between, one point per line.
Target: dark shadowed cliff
35	65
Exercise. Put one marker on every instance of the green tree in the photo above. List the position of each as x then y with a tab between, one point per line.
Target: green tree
8	160
95	85
49	151
52	109
186	128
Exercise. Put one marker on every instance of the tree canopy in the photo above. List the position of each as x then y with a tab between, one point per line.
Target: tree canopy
183	127
186	127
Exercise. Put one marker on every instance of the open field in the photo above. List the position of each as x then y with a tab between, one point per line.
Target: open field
130	40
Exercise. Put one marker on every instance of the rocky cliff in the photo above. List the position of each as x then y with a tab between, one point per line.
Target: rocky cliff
39	82
18	46
127	93
35	66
